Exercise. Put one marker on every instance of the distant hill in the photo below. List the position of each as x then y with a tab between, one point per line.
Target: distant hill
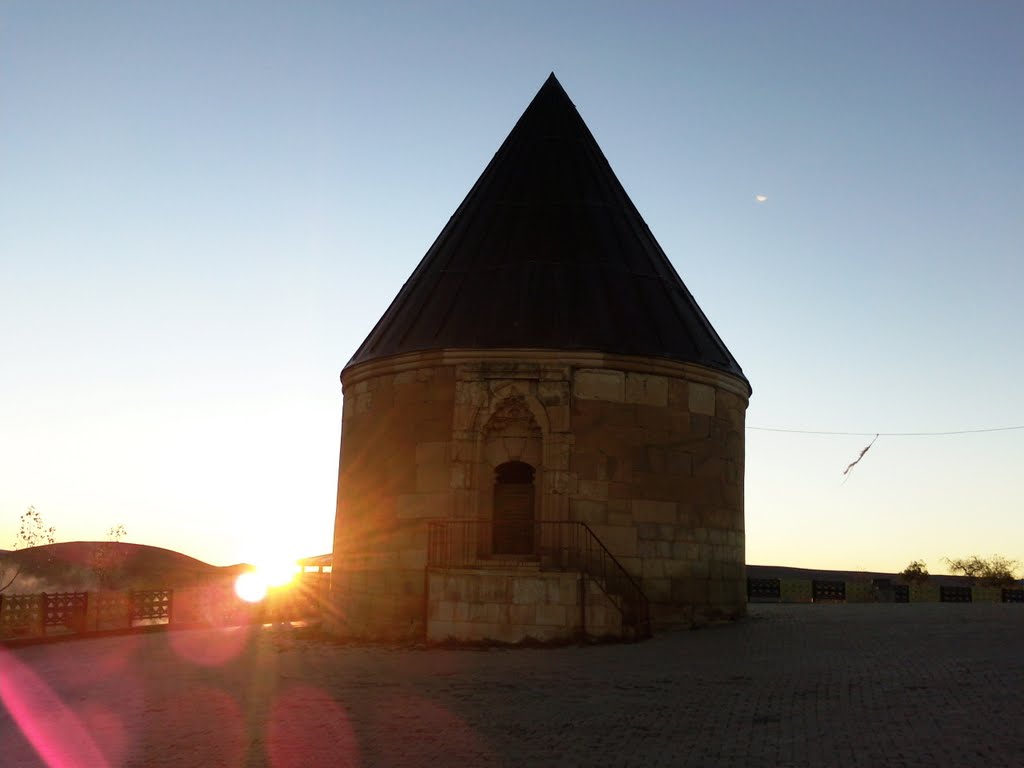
69	566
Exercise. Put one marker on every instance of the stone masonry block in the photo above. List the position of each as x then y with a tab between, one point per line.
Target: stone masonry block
679	463
495	589
648	531
434	429
561	590
658	590
553	392
653	568
676	569
460	611
700	425
559	418
461	477
700	569
557	455
686	550
702	399
588	511
463	450
689	590
649	548
489	613
528	591
522	614
735	417
646	389
568	590
594	489
443	611
464	417
415	505
652	418
654	511
412	558
597	384
510	387
431	453
597	621
471	393
362	403
432	478
551	615
621	492
678	394
619	517
439	631
620	540
562	482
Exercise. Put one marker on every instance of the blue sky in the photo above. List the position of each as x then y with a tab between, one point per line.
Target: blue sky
205	207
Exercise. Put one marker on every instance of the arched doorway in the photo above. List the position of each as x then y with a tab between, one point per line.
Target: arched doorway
513	509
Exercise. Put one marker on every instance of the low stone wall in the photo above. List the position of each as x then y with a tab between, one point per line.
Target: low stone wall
862	591
82	613
511	606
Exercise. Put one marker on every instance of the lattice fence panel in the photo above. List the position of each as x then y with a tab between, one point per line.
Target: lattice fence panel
21	615
113	609
65	609
954	594
823	590
764	590
152	606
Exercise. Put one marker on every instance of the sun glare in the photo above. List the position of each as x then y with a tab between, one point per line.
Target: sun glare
252	586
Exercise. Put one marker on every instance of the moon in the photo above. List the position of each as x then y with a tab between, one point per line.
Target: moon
761	198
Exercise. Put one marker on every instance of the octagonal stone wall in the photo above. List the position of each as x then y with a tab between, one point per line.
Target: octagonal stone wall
649	453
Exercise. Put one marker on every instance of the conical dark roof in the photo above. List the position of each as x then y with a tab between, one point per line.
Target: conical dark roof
548	252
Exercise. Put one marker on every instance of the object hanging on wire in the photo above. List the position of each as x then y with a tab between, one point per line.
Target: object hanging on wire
855	462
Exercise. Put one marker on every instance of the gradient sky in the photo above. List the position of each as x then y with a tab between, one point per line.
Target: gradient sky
204	208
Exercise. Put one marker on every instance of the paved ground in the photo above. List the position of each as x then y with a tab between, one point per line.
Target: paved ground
795	685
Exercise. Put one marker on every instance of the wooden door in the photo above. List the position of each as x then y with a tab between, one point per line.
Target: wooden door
513	510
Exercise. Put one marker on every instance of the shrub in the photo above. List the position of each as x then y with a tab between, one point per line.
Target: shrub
916	572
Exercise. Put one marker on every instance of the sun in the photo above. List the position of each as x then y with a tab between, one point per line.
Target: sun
252	586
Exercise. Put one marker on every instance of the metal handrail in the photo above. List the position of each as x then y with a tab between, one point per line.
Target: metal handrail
561	545
612	572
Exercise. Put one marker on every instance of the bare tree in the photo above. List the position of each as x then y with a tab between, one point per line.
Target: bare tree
995	571
32	532
108	557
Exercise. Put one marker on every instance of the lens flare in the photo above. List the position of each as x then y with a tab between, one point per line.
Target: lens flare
52	727
251	587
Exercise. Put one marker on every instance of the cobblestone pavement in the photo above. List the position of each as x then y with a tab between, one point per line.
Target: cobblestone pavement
793	685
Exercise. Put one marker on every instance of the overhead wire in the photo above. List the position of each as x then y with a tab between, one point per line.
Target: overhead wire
876	435
886	434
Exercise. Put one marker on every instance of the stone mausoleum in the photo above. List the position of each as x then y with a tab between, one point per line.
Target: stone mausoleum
543	434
